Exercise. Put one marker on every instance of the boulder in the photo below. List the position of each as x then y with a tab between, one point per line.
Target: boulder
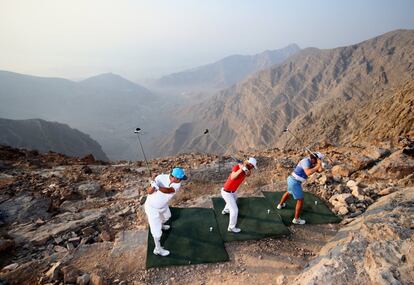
387	191
59	224
97	279
105	236
11	267
342	170
360	162
89	189
25	208
343	210
398	165
83	280
356	191
345	198
70	274
374	248
325	179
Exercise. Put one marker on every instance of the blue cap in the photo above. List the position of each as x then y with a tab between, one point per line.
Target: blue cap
178	172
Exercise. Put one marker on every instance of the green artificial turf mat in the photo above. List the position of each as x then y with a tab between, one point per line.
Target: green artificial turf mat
312	213
189	240
254	220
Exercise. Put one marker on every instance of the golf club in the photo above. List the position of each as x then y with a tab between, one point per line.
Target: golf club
207	132
311	152
138	132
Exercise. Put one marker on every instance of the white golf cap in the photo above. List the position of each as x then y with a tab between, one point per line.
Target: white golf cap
253	162
319	155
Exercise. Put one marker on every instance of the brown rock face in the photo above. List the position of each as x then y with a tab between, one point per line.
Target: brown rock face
338	96
6	244
396	166
373	249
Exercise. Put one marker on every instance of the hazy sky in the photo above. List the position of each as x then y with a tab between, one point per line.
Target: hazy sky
143	39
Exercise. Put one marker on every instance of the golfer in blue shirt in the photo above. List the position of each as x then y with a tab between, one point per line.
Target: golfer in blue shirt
302	171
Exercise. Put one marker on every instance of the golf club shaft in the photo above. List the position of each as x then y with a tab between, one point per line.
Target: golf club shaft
146	161
311	152
225	150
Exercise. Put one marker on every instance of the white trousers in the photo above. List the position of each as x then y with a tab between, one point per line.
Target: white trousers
157	217
231	206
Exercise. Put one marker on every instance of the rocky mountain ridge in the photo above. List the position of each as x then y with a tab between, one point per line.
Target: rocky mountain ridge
225	72
44	136
319	94
83	221
107	107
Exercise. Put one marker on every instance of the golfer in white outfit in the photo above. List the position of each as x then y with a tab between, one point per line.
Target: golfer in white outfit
162	189
228	192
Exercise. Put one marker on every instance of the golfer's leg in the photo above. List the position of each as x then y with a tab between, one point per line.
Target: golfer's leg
231	206
165	214
234	211
298	208
155	224
284	198
223	194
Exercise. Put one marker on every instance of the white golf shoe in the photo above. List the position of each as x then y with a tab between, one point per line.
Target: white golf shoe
161	251
224	212
234	230
298	221
166	227
281	206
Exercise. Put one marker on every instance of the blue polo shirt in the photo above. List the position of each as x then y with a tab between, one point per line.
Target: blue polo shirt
299	172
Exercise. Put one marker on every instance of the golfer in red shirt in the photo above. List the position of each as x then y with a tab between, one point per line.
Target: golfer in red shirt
228	192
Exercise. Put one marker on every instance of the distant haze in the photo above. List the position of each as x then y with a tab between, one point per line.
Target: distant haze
144	39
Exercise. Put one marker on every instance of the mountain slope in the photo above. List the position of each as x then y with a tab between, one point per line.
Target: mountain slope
389	115
47	136
255	112
114	82
107	106
226	71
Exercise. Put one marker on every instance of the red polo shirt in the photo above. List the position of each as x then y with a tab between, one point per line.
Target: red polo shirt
232	185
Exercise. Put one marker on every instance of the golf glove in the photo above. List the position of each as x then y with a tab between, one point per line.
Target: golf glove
245	169
154	185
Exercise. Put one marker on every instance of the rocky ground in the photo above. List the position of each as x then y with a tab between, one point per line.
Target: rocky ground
78	221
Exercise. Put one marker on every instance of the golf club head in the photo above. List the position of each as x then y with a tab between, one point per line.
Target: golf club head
142	200
206	131
137	130
285	130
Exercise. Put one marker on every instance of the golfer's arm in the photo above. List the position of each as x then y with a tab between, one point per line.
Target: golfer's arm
150	190
310	171
167	190
235	174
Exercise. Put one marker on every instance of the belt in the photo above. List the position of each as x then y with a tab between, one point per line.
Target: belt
297	177
228	191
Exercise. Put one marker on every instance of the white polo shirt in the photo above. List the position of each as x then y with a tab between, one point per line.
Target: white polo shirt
159	199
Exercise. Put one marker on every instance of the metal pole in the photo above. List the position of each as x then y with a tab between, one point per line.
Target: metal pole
138	131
